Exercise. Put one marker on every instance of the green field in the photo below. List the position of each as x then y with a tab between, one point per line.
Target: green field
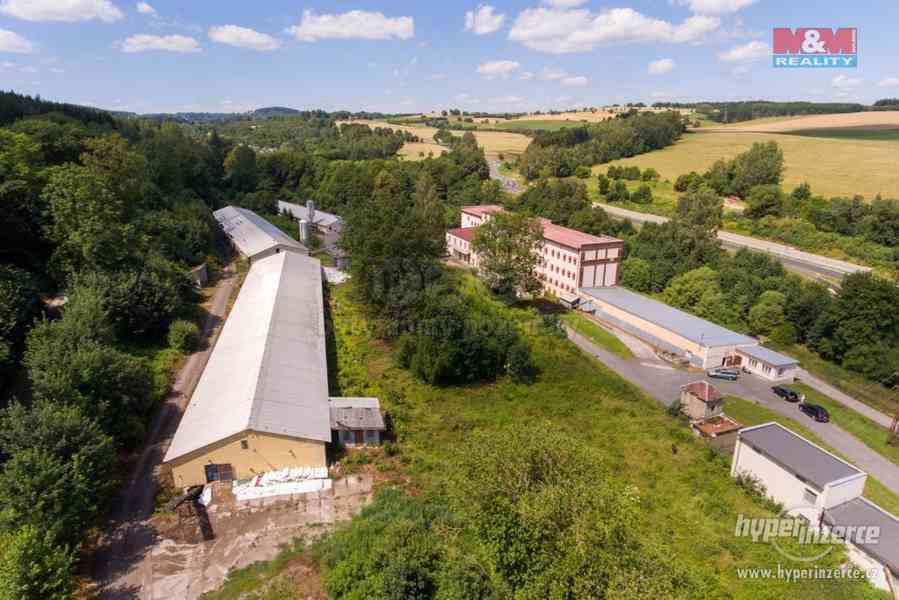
526	124
851	133
749	413
833	166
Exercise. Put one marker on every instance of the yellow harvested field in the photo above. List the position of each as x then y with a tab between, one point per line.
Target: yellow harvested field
870	119
493	142
420	150
833	167
591	117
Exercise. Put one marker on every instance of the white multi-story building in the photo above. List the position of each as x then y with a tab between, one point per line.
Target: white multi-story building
570	259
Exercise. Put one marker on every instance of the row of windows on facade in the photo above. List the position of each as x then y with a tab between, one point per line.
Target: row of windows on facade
555	269
557	283
558	254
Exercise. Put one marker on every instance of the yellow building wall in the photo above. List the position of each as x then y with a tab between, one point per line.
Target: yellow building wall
264	452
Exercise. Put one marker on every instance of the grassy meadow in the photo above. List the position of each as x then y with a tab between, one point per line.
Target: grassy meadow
493	142
686	494
833	166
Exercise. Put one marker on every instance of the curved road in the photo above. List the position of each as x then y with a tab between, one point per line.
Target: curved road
797	260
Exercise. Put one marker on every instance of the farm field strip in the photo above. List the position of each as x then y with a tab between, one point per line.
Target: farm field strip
833	167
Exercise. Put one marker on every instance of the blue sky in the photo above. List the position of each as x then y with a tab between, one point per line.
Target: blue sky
223	55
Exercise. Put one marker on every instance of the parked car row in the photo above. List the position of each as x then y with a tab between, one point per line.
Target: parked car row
815	411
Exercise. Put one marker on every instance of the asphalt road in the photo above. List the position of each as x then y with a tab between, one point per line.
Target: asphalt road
509	184
663	382
797	260
129	534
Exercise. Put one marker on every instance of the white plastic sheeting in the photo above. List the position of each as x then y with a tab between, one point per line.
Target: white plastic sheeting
335	276
299	480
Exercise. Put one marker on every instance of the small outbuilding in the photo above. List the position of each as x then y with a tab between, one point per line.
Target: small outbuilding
701	401
356	421
766	363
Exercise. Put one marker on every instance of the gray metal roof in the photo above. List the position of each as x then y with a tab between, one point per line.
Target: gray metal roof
861	511
798	455
251	233
683	324
267	371
356	413
297	211
768	356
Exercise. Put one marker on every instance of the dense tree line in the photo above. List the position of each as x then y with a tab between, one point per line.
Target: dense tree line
682	261
559	153
445	335
110	216
733	112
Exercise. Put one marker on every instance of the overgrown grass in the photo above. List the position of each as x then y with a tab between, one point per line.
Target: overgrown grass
873	435
597	334
749	413
686	494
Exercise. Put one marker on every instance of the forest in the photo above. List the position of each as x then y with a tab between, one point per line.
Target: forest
103	219
560	153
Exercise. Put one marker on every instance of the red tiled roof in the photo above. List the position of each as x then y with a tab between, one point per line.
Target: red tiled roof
573	238
703	390
465	233
483	209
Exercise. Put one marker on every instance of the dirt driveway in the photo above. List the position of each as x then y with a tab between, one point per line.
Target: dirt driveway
168	570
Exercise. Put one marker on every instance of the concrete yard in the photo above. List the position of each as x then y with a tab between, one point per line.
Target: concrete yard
164	569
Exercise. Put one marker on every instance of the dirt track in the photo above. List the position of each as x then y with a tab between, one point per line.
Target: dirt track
135	504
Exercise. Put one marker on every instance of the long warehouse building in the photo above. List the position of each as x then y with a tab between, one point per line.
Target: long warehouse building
253	236
262	401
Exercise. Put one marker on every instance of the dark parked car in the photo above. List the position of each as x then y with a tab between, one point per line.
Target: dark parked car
818	413
785	393
729	374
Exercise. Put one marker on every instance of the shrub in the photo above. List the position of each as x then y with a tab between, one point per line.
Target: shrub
618	192
643	195
184	336
33	568
603	184
582	172
520	364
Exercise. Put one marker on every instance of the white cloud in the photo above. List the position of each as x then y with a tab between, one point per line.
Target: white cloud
145	9
13	42
746	53
665	95
356	24
739	71
437	76
57	70
551	74
526	76
578	81
61	10
508	100
28	69
564	3
7	65
143	42
843	82
482	20
661	66
563	99
243	37
715	7
889	82
560	31
497	68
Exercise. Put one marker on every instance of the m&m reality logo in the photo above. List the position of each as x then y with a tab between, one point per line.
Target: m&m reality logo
816	47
